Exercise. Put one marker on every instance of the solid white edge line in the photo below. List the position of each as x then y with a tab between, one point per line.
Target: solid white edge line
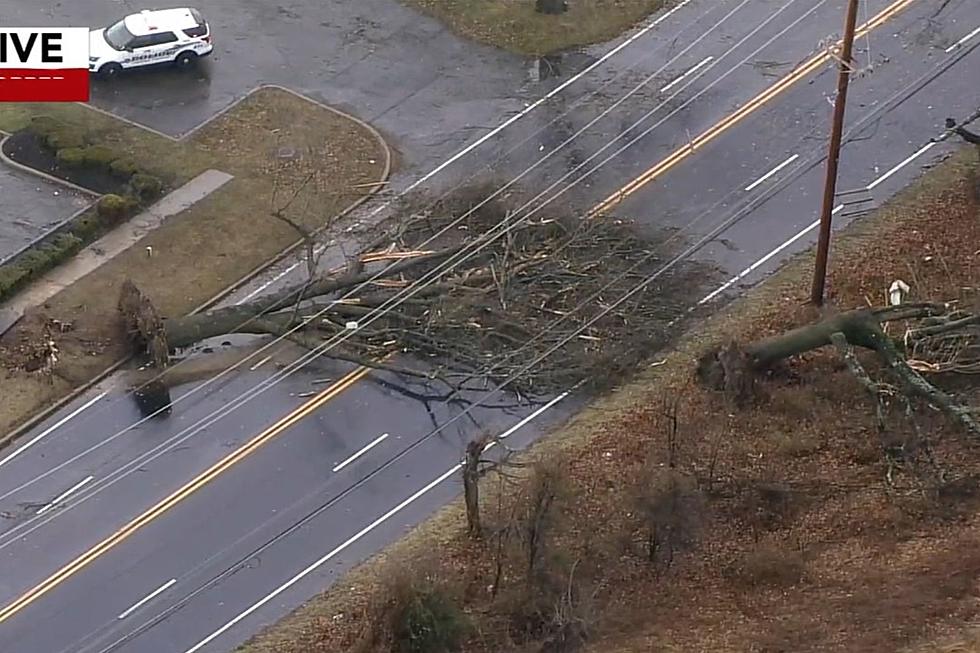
504	125
318	563
772	172
50	429
749	270
351	540
537	103
963	40
277	277
360	453
510	121
149	597
64	495
728	284
912	157
529	418
706	60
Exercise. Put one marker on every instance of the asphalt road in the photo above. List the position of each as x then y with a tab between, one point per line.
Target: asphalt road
211	558
30	206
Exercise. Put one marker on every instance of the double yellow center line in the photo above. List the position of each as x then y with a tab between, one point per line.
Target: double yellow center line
179	495
750	107
210	474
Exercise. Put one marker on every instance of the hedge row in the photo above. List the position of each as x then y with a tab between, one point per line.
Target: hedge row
72	148
53	250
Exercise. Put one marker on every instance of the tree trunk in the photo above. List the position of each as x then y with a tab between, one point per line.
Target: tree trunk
855	325
726	368
471	486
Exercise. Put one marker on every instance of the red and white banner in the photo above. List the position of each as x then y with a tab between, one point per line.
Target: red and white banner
44	64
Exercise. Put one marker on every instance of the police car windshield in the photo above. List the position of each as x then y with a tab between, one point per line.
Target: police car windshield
118	36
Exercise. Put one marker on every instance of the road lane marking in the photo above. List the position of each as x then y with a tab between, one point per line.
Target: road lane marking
30	443
813	225
738	116
260	364
963	40
690	72
912	157
752	268
316	252
537	103
501	127
761	180
64	495
360	453
149	597
182	493
360	534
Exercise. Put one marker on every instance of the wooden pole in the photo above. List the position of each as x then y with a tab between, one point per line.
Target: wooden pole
837	131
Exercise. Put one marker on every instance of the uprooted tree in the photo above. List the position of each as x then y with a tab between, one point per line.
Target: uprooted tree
935	338
463	297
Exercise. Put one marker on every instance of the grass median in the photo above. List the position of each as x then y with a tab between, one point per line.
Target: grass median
515	25
284	151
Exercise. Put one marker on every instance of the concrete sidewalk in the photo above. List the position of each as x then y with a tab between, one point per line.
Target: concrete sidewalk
110	245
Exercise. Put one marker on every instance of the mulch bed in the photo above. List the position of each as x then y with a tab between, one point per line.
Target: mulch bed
26	148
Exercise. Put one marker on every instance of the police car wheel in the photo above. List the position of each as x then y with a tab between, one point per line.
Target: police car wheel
185	59
110	70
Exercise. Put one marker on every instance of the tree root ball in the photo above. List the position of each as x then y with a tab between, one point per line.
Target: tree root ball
153	398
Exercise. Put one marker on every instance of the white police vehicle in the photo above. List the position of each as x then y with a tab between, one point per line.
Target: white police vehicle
178	36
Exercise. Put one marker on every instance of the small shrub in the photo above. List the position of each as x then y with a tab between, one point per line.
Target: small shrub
770	565
670	506
66	244
425	618
36	261
796	445
123	168
64	138
56	134
793	402
11	278
43	125
115	207
71	156
99	156
766	505
87	226
146	187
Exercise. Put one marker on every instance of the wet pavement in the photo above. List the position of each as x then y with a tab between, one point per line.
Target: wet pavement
260	538
30	206
406	74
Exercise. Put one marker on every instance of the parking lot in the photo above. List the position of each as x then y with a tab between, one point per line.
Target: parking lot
426	89
30	206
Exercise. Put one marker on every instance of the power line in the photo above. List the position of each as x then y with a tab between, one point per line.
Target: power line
384	271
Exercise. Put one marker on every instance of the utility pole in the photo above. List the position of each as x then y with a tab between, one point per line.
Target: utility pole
837	131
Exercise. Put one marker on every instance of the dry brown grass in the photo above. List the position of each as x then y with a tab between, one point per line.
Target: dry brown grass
203	250
812	552
515	25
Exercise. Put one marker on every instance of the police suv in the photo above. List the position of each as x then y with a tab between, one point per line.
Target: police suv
178	36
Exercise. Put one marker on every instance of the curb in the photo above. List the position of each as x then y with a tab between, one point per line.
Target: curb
60	225
44	413
43	175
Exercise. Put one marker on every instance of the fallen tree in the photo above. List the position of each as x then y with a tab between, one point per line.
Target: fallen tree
466	309
936	338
